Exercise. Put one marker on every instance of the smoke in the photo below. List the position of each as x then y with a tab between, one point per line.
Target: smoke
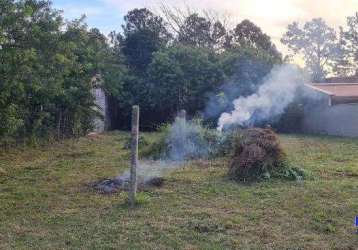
247	74
273	96
184	140
147	170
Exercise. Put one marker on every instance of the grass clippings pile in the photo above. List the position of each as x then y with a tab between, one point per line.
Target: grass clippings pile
257	155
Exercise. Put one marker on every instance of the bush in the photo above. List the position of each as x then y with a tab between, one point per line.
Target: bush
257	155
158	148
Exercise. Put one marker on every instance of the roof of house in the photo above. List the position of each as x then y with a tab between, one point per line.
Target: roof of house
339	92
341	79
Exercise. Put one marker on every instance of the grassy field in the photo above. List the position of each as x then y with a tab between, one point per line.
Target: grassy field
45	201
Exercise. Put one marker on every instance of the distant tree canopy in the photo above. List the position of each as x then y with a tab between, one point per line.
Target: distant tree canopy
347	63
317	43
247	35
200	32
143	34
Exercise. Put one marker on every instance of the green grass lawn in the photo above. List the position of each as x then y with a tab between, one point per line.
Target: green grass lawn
45	202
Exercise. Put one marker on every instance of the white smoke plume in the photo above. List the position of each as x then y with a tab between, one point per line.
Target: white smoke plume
271	99
184	141
148	169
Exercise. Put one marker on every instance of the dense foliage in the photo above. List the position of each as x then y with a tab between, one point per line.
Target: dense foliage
188	68
317	42
347	63
48	67
47	70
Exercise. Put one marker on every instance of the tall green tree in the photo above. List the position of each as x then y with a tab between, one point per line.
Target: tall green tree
46	71
347	62
182	77
316	42
30	33
200	32
143	34
247	35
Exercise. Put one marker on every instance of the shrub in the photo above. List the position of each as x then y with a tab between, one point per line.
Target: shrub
158	147
257	155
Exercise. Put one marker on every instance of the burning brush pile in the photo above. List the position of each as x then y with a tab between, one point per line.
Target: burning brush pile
257	155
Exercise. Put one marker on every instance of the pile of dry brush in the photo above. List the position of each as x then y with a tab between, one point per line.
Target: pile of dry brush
257	154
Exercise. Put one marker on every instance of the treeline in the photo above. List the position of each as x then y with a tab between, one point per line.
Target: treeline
163	62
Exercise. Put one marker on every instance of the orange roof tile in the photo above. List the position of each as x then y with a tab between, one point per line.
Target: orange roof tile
338	89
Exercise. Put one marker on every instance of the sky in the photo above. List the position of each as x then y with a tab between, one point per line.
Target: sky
272	16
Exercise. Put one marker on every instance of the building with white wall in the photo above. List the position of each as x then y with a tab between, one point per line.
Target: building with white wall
334	111
100	123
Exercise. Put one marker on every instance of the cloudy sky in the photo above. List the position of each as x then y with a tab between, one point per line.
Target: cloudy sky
271	15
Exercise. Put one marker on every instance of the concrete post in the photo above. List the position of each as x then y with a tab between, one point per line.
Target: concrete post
134	156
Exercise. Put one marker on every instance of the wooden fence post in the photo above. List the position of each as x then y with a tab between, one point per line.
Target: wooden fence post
134	156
